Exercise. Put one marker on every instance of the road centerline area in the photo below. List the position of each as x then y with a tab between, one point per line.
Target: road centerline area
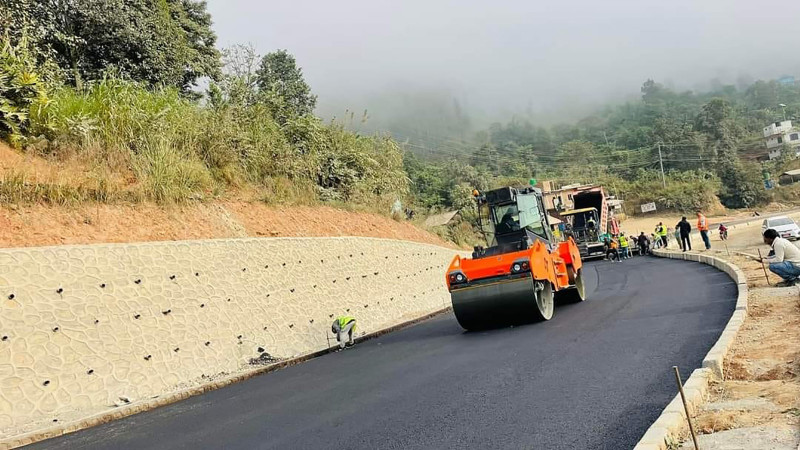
595	376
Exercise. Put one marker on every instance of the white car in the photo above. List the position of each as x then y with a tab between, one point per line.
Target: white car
786	227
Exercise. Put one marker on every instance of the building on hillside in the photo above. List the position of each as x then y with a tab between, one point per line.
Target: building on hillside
786	80
789	177
778	135
558	199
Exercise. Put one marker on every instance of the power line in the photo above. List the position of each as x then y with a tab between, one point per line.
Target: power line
598	158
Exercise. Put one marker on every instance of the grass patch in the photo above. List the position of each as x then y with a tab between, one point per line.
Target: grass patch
173	150
16	188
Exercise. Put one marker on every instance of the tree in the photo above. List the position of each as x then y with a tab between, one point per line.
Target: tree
581	162
238	84
716	119
486	158
740	188
279	78
202	56
160	42
651	91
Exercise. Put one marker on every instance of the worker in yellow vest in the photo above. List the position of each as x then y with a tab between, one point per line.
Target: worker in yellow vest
661	233
702	225
625	245
343	327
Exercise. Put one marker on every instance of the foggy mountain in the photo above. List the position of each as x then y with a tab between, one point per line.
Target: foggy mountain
453	67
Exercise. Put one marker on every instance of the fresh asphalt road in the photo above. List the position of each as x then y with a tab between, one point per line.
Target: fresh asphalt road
595	376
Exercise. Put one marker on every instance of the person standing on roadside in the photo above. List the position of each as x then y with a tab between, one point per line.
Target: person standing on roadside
644	244
661	233
625	244
702	225
685	230
677	234
612	251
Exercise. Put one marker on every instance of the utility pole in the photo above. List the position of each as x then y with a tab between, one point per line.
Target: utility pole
661	163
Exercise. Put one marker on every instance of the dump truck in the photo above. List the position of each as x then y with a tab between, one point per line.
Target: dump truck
518	276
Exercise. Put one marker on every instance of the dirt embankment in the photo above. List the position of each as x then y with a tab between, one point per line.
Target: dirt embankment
39	225
237	214
757	405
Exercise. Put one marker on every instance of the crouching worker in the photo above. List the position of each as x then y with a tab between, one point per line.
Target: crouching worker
343	327
784	260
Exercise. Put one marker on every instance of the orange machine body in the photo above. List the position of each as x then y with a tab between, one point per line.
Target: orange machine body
542	264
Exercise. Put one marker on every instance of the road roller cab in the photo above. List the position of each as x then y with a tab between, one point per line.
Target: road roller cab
515	279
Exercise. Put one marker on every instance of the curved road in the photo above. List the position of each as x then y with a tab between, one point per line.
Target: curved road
595	376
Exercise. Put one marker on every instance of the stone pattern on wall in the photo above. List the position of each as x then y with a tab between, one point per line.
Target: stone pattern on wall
83	328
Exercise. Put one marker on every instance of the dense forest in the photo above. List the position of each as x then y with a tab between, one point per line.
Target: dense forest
708	144
114	83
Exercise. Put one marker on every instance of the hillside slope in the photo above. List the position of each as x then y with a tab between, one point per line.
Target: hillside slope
39	225
27	222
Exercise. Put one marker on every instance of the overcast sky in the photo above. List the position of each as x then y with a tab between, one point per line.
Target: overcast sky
501	57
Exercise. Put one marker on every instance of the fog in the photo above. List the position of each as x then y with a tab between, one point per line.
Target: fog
552	61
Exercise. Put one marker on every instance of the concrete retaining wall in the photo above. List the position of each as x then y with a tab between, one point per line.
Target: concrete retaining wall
84	329
672	424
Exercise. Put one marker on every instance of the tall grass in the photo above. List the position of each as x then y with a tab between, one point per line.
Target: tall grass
18	187
179	150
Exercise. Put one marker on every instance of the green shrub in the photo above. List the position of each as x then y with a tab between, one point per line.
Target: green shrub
22	92
685	191
179	150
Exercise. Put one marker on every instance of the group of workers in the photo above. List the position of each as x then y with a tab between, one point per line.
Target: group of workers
683	231
619	246
783	258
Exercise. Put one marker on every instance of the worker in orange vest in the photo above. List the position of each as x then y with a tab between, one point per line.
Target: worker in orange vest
702	225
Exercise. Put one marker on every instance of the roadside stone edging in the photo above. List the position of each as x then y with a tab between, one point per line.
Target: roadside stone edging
672	421
176	396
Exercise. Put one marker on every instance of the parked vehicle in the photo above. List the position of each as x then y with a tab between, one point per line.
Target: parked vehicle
786	227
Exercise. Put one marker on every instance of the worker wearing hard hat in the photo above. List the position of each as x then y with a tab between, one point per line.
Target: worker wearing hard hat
344	327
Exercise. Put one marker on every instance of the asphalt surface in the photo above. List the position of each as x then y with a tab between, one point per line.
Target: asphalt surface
594	377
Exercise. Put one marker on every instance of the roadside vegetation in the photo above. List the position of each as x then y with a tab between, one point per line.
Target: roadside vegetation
82	84
149	135
708	145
